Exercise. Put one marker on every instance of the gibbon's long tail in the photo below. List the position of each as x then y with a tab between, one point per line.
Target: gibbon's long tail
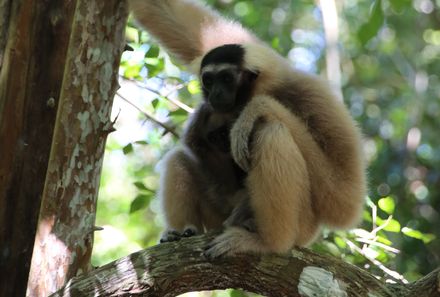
188	29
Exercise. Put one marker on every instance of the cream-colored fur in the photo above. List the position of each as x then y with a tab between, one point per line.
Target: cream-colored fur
304	165
188	29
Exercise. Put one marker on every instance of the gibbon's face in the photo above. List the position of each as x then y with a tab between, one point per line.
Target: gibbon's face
226	85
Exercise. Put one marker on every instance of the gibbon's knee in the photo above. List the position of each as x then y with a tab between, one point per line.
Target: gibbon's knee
180	191
279	188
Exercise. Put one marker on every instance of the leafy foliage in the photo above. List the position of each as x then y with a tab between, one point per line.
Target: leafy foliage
390	63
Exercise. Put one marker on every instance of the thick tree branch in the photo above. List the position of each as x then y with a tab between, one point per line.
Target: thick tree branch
174	268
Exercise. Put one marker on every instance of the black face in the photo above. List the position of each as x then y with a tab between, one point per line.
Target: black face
226	85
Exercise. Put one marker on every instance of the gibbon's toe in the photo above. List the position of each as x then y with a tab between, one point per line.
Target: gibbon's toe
169	236
220	246
189	231
235	240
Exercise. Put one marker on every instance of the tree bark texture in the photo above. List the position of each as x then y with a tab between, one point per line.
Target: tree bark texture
5	11
31	74
64	238
174	268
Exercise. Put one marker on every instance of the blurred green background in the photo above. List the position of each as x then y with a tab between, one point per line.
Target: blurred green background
388	55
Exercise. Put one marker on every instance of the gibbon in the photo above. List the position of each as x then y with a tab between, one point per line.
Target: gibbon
270	154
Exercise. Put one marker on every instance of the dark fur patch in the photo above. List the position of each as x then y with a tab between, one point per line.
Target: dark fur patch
228	53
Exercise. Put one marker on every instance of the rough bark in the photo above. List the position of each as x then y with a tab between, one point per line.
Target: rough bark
64	238
174	268
31	74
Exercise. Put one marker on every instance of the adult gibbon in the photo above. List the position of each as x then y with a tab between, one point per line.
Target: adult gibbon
270	153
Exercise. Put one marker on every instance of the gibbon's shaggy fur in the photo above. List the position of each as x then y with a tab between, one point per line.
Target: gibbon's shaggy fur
292	161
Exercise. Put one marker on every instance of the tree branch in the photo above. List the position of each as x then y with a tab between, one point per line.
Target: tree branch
150	117
174	268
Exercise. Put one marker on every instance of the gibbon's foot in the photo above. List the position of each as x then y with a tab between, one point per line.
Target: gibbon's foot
169	235
234	240
220	246
173	235
189	231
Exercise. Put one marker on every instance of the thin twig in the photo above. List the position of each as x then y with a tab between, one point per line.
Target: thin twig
176	102
393	274
379	244
150	117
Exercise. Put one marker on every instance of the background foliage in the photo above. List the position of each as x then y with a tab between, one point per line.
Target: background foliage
390	61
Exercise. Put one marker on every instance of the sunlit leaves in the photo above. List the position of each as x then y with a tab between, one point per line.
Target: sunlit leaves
387	204
374	23
426	238
390	225
131	70
341	243
193	87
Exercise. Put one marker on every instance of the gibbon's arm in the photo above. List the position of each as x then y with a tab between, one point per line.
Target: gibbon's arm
188	29
262	108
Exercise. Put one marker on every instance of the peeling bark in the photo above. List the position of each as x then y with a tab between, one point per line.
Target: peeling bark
64	239
174	268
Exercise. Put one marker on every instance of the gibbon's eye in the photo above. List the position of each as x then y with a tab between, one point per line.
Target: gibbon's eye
207	80
226	77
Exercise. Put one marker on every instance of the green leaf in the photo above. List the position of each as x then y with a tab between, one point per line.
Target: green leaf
400	5
370	28
153	52
131	70
141	186
127	149
387	204
142	142
155	102
132	34
426	237
237	293
179	112
141	201
194	87
275	43
384	240
341	243
154	66
392	226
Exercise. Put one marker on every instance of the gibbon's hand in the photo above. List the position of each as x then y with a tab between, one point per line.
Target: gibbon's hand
245	127
240	135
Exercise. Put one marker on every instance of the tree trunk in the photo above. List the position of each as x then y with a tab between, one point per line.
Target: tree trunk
174	268
33	44
5	10
64	239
